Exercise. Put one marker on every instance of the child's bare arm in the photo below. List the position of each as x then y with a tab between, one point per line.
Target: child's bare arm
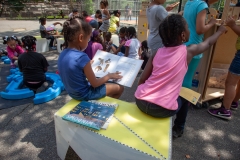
201	26
139	52
231	23
119	48
126	51
117	23
196	49
106	12
57	23
96	82
147	71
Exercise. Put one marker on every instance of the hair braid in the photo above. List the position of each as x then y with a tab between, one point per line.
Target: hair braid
171	29
131	31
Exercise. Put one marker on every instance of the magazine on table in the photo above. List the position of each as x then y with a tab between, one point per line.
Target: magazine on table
93	114
104	63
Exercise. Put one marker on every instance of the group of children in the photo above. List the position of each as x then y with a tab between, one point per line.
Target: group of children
159	86
33	65
160	83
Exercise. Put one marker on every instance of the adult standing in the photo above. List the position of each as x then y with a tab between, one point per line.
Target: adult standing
195	12
156	13
126	11
130	14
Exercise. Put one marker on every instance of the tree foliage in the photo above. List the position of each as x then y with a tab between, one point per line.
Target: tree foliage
88	6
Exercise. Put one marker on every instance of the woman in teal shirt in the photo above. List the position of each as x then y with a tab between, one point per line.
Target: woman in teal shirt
195	12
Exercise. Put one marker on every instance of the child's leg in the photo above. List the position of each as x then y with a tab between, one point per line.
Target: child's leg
182	113
181	116
237	96
51	41
230	93
114	48
187	82
114	90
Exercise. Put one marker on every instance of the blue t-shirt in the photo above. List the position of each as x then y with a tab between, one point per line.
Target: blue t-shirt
191	10
70	66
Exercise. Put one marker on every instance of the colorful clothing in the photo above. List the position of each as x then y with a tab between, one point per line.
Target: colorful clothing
191	10
71	65
134	46
163	86
14	53
95	47
113	24
88	19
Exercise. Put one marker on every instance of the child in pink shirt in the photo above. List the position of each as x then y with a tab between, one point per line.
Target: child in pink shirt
13	48
159	86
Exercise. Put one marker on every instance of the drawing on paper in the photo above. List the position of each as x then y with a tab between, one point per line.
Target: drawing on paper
106	68
108	61
98	68
101	61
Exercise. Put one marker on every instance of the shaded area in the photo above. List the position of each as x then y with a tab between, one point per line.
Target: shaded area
5	71
28	132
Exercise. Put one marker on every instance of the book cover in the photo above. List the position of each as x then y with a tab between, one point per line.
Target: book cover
113	105
104	63
90	115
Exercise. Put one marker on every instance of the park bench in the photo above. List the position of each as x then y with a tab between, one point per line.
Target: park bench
131	134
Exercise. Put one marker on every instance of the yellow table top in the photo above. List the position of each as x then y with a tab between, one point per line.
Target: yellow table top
134	128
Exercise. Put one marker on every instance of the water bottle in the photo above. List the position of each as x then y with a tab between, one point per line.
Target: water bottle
195	81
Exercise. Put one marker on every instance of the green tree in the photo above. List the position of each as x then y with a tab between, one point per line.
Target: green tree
88	6
16	5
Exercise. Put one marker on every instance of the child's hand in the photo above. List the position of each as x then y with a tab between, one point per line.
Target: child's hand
115	75
230	21
212	21
123	43
222	29
91	62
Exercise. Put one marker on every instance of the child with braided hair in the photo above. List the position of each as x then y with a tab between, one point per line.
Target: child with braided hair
75	69
33	65
14	48
159	86
132	46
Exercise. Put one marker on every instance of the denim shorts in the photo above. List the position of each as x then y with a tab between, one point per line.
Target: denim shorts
235	65
93	93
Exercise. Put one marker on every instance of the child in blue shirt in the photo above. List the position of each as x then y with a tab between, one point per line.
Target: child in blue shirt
75	69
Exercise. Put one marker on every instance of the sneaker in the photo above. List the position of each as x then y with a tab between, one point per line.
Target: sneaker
234	105
220	112
177	132
53	48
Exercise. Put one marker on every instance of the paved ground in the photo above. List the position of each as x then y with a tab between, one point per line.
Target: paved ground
27	131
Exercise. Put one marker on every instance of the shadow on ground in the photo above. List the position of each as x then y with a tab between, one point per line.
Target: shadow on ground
27	131
5	71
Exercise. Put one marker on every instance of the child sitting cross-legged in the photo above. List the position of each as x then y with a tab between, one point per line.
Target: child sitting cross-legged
159	86
75	66
33	65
